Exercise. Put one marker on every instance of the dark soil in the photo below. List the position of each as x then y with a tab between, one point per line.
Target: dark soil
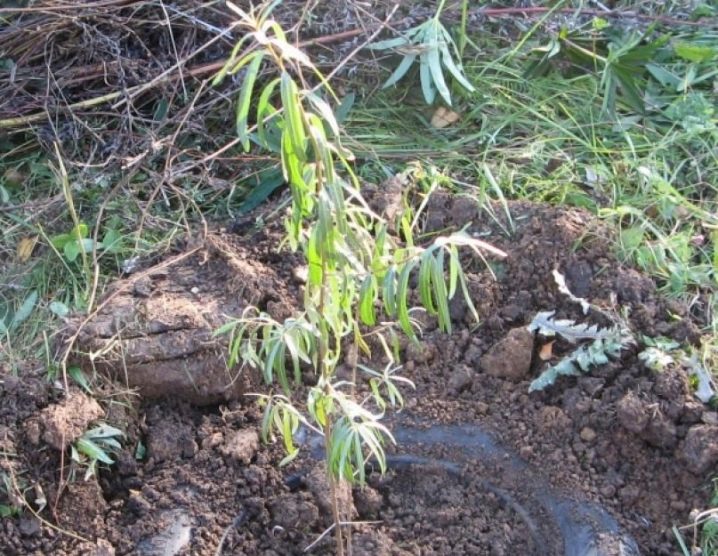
624	438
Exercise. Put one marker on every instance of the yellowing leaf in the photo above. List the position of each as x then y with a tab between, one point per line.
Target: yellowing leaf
546	352
25	248
443	117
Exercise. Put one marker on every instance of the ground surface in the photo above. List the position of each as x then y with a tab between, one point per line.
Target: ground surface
630	440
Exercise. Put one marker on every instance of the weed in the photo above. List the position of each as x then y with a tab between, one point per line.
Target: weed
434	46
94	447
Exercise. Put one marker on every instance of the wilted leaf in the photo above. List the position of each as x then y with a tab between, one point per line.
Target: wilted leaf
546	352
25	248
40	498
443	117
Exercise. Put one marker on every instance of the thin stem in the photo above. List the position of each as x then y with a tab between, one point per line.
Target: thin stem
333	487
464	20
587	52
439	9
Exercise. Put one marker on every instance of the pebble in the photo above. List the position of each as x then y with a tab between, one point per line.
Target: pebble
587	434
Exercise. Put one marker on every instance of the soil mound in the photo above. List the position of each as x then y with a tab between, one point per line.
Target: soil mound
192	479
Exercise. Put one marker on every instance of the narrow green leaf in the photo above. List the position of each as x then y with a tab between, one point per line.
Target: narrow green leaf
265	110
455	70
389	43
325	111
93	451
292	108
289	457
24	310
389	292
268	182
440	294
454	269
467	296
403	300
400	70
245	98
230	61
287	431
425	282
427	85
79	377
344	107
694	52
437	74
267	421
367	295
359	460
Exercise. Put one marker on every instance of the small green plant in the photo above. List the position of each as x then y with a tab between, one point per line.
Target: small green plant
607	343
95	446
76	242
436	50
658	352
15	503
354	265
10	320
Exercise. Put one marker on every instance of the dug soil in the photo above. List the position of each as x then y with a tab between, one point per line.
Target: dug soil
481	466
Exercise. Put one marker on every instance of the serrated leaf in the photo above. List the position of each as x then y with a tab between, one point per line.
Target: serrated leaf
568	329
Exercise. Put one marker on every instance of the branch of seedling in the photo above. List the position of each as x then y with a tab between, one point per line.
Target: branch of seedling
353	263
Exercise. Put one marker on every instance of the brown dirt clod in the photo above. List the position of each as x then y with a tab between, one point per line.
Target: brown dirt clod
64	422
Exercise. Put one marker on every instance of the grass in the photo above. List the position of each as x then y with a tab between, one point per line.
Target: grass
546	137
